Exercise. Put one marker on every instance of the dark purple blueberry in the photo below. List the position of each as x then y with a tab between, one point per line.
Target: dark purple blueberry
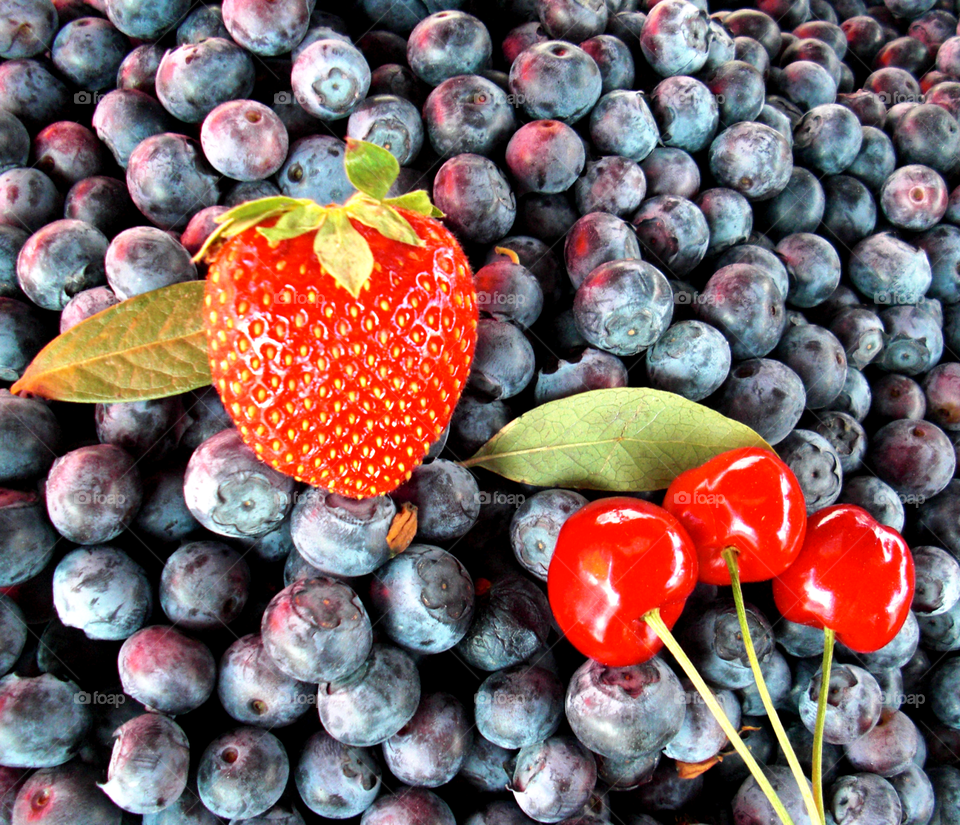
915	457
146	21
408	806
545	156
57	796
67	152
766	395
138	71
675	38
887	749
28	539
60	260
555	80
587	370
102	591
391	122
625	712
163	516
475	197
753	159
536	524
13	635
713	641
231	492
475	421
860	332
244	140
876	160
336	780
798	208
887	270
102	202
553	779
504	361
468	114
28	199
267	28
243	773
142	428
686	113
915	790
854	703
813	266
93	493
508	291
30	92
519	706
23	334
595	239
613	184
446	497
447	44
204	585
621	123
751	807
125	117
372	703
330	79
88	52
201	23
254	692
815	354
914	197
861	798
937	587
425	599
486	766
340	536
42	724
691	359
166	671
729	218
827	138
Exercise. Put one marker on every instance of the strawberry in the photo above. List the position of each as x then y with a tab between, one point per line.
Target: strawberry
340	337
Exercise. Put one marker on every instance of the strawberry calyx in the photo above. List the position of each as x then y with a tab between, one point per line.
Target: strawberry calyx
341	250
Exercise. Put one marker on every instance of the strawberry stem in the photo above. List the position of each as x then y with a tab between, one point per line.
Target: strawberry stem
828	639
655	621
730	557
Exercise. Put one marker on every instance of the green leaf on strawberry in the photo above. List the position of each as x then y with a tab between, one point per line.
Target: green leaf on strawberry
371	168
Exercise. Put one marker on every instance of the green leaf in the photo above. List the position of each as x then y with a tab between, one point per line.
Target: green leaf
416	201
150	346
371	168
295	222
246	215
623	439
343	252
385	219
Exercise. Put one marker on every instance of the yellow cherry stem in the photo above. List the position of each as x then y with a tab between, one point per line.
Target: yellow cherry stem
828	639
655	621
816	815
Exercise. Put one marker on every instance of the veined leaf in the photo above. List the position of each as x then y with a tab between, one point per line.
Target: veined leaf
371	168
343	251
625	439
416	201
295	222
385	219
150	346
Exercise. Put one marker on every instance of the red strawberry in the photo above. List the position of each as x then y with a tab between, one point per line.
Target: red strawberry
339	350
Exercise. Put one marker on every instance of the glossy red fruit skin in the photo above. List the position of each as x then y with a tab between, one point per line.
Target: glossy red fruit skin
615	560
853	575
747	499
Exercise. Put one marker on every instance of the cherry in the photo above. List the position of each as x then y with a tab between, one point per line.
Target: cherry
747	500
853	576
616	560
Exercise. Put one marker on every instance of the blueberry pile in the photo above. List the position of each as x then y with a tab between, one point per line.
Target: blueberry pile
757	208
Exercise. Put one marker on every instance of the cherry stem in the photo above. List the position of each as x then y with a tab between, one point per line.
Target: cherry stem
816	815
828	639
656	623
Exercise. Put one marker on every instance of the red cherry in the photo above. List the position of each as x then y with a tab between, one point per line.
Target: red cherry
853	575
617	559
747	499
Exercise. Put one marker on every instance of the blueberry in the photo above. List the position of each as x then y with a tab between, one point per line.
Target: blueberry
807	84
876	160
511	620
340	536
868	106
330	78
942	245
816	464
799	207
336	780
138	71
504	361
89	51
430	748
245	191
614	60
860	332
58	795
766	395
621	123
888	270
201	23
751	807
854	704
163	516
93	493
13	633
187	810
625	712
242	773
169	179
468	114
447	44
686	113
595	239
22	335
588	370
231	492
875	496
508	291
371	704
42	724
675	38
145	21
700	736
100	201
254	692
916	795
536	524
60	260
912	341
28	539
519	706
671	171
165	670
545	156
391	122
729	218
855	397
446	497
691	359
861	798
264	28
408	805
28	199
476	198
12	239
30	92
776	673
713	641
27	29
556	80
553	779
425	599
762	257
815	354
928	135
751	158
125	117
501	812
914	197
485	766
888	749
102	591
314	169
475	421
67	152
624	306
244	140
204	585
815	51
